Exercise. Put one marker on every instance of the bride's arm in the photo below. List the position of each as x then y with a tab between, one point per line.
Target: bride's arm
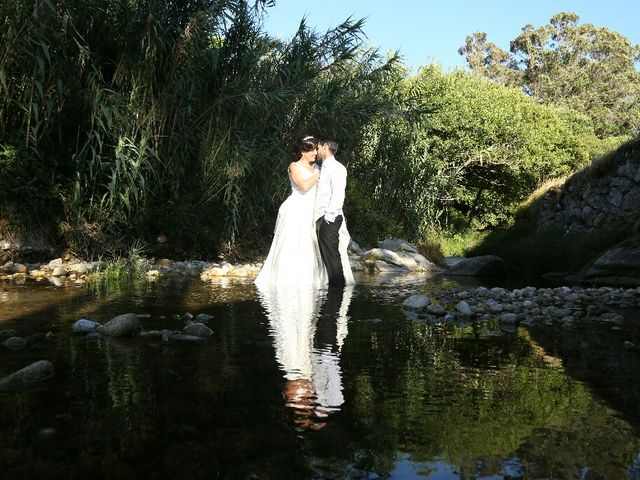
302	183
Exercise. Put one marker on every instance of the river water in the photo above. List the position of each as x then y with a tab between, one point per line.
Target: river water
311	384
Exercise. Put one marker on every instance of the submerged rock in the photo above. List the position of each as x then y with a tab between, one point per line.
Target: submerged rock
14	343
182	337
85	326
197	329
30	376
203	317
416	302
124	325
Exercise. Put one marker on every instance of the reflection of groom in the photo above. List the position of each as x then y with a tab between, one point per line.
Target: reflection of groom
331	331
328	209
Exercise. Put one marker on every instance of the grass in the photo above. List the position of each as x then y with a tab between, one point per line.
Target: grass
125	270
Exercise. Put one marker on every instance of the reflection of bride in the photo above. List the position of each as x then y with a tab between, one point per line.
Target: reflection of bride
311	368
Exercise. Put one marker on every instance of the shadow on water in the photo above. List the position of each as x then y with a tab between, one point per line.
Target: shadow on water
311	384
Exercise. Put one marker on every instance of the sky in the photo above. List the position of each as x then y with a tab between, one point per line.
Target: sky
431	31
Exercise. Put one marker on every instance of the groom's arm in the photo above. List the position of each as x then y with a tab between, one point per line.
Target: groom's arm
338	187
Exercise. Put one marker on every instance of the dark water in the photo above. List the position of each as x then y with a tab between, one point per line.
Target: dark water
312	384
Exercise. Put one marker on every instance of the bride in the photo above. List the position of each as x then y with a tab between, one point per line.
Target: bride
294	257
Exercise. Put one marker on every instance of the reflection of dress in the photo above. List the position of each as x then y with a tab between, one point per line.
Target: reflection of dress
308	347
294	256
292	313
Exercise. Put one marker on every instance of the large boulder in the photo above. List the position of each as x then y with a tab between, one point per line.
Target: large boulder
124	325
482	266
30	376
618	266
405	259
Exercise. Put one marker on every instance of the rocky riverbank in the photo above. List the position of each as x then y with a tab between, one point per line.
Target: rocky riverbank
392	256
562	307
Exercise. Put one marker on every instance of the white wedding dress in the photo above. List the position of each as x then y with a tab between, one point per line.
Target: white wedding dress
294	257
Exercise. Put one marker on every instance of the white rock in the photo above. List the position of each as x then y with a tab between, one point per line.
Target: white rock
55	263
59	272
416	302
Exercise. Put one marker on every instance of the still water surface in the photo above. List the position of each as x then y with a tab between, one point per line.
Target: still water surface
312	384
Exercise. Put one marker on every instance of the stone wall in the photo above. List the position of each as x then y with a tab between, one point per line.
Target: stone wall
606	193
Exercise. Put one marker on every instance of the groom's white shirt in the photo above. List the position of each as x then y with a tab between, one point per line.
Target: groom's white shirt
331	189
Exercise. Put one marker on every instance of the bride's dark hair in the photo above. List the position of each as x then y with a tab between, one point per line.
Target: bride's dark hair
304	144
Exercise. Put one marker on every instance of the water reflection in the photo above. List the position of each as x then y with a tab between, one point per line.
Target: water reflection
309	326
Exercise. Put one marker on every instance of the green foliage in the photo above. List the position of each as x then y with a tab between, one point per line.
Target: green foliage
466	164
126	270
122	120
173	118
589	69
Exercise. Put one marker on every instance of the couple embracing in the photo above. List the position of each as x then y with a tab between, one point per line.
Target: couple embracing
310	240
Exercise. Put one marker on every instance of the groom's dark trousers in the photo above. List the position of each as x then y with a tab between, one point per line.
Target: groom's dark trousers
328	242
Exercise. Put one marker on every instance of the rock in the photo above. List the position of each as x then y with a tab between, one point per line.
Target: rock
14	343
449	318
216	271
449	262
508	317
19	268
416	302
464	308
203	317
618	266
124	325
59	272
85	326
55	263
355	247
155	333
93	336
79	268
10	332
30	376
407	261
422	262
7	268
387	256
485	265
197	329
382	266
435	309
182	337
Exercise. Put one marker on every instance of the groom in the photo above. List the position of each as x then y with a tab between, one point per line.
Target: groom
328	209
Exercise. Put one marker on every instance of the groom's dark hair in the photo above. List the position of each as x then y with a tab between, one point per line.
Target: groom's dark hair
332	144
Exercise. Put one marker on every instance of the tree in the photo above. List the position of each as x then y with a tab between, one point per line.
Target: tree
583	67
